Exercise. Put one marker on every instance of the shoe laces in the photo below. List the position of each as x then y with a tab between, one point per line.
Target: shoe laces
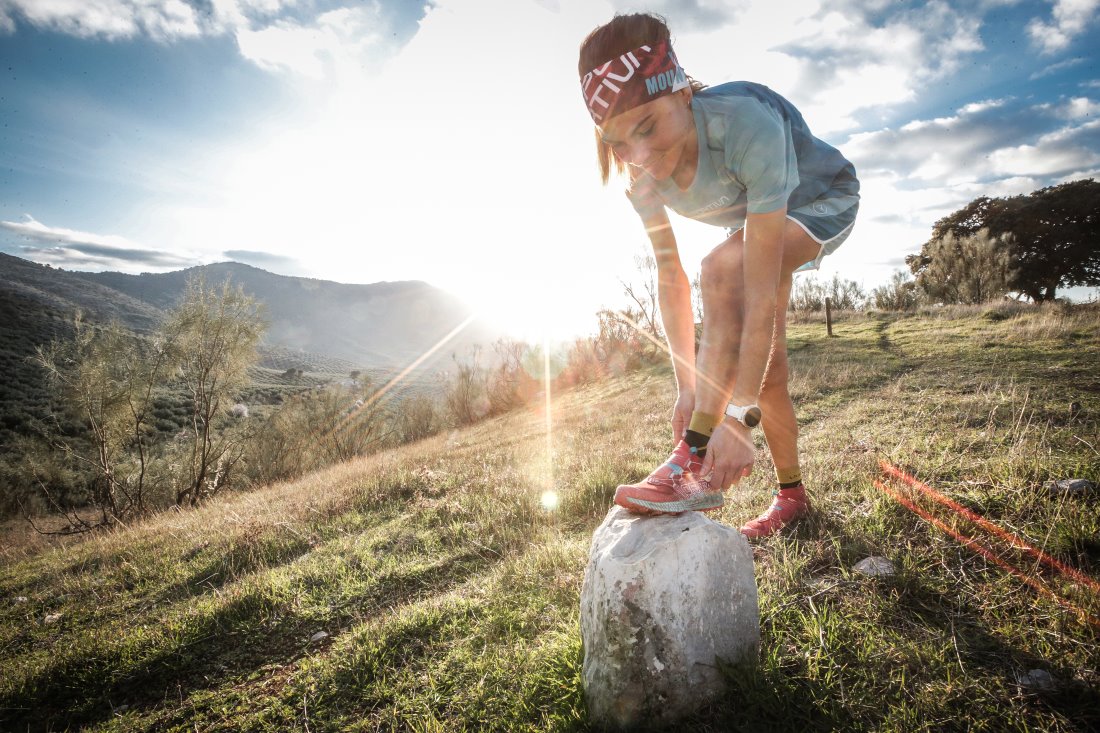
675	474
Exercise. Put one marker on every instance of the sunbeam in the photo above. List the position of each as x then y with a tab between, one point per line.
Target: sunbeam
355	412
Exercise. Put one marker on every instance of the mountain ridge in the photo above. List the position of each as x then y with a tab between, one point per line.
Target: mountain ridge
382	324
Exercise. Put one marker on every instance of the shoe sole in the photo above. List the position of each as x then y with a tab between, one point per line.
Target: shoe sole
699	503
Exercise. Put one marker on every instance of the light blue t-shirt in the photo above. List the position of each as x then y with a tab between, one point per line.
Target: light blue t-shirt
756	154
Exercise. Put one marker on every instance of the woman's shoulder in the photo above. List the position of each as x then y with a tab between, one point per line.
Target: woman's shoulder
737	108
739	95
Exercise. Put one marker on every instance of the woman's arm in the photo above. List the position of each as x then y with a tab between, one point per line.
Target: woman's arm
677	316
674	298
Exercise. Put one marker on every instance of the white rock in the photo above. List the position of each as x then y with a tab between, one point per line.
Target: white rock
52	618
874	566
663	599
1070	486
319	636
1036	679
20	599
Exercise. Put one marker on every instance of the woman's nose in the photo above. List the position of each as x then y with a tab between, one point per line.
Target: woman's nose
637	154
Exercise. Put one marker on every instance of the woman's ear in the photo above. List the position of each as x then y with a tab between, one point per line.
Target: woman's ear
687	93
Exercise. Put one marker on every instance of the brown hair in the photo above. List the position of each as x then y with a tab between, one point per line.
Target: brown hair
621	34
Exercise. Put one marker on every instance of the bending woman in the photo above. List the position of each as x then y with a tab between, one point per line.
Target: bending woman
737	156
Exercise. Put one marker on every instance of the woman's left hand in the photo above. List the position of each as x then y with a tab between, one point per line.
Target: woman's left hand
730	454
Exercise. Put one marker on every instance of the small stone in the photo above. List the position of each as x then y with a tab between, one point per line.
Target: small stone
875	566
319	636
1035	679
1070	486
20	599
52	618
122	708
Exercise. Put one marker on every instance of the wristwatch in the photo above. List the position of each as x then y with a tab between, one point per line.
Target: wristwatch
749	415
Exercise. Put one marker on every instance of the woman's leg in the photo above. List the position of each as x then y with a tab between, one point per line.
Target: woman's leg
722	282
779	423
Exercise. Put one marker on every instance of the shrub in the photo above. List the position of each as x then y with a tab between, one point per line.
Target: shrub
808	294
900	294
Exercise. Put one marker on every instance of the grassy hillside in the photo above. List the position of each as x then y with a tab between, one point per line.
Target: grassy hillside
449	593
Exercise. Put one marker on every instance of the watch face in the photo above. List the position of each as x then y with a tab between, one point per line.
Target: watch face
752	417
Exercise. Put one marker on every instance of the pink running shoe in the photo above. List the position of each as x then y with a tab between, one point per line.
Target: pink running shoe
788	505
675	487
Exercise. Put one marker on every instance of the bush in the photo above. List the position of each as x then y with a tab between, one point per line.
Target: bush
900	294
808	294
417	418
466	395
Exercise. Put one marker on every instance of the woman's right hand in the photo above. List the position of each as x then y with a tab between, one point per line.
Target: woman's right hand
681	414
643	196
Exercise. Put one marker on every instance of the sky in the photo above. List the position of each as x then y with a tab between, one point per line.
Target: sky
378	140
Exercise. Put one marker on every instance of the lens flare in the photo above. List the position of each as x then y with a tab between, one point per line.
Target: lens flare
986	551
549	500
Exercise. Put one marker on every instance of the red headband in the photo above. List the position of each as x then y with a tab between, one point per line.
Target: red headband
636	77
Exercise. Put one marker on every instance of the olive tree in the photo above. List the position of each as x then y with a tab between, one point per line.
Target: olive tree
108	377
215	329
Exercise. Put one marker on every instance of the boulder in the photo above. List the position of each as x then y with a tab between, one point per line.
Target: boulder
664	600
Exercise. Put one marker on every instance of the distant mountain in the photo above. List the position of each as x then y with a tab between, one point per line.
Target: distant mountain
324	328
384	324
31	284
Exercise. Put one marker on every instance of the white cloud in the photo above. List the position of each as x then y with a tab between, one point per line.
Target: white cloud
1080	108
1055	153
86	250
1069	19
845	55
916	174
1060	66
107	19
338	43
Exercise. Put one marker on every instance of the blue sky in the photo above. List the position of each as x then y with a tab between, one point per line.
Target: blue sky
446	141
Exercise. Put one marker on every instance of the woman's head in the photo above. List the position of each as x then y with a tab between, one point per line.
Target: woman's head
639	42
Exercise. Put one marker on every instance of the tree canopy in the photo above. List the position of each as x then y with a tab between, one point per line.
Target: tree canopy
1054	242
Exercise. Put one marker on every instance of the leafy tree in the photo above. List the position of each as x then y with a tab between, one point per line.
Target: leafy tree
216	329
968	269
108	377
1056	230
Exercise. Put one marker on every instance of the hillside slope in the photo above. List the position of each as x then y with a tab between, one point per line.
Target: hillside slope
448	589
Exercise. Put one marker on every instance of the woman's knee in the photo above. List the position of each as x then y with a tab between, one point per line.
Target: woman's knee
721	267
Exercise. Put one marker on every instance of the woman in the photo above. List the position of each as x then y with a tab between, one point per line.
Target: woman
737	156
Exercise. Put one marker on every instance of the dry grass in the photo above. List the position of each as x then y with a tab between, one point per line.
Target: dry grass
450	592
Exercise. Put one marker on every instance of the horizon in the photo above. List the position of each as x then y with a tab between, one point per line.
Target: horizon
297	136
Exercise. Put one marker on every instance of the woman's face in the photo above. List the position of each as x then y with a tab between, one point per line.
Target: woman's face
654	136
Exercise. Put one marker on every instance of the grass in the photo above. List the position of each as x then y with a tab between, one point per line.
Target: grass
450	594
